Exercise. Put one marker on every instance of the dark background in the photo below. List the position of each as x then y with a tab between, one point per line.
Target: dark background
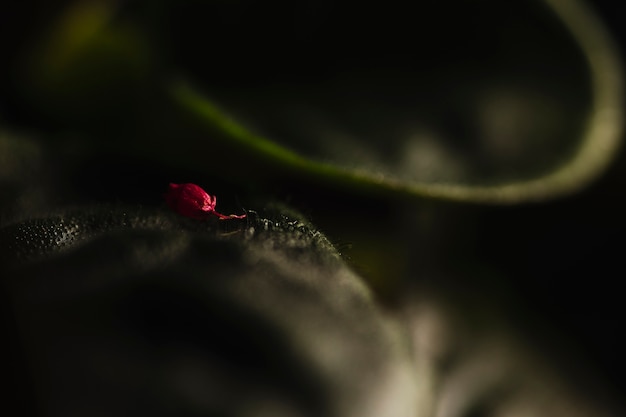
564	258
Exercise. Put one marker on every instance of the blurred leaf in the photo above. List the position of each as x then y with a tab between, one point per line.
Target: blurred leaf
476	102
87	67
513	112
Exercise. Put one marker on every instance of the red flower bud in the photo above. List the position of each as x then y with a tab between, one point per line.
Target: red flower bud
192	201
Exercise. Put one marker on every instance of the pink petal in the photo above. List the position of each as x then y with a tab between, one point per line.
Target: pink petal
190	200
